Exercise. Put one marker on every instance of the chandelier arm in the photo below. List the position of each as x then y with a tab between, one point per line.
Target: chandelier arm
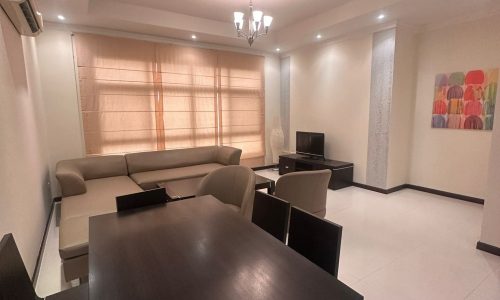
254	29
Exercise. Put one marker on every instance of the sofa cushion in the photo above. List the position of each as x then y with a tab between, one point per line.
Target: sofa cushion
168	159
148	180
74	237
99	198
76	210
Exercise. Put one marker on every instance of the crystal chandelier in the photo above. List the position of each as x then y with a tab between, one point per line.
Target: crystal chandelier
257	24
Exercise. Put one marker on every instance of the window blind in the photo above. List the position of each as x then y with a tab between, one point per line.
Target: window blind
139	96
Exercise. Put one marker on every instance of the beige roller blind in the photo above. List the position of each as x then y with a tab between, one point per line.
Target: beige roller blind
189	96
241	97
117	94
138	96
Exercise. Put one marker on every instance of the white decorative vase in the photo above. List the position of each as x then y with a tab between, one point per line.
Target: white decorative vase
277	143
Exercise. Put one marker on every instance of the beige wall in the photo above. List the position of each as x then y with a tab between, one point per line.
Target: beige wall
60	91
490	232
452	160
330	93
64	136
24	191
401	115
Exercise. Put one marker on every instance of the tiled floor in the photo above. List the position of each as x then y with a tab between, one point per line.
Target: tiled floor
406	245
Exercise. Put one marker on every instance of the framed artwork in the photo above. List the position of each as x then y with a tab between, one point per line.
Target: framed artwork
465	100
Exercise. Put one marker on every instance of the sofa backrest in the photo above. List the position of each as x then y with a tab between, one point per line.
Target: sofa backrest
102	166
167	159
72	173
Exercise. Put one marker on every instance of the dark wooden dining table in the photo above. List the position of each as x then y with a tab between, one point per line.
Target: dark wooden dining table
198	249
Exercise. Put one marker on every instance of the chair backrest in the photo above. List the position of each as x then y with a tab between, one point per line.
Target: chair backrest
141	199
15	282
271	214
306	189
232	185
316	239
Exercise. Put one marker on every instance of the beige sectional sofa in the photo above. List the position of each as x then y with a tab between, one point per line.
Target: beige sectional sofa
90	185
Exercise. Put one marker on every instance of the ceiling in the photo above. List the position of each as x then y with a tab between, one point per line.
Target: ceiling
296	22
284	12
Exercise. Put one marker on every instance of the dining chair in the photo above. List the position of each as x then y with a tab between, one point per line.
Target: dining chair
316	239
305	189
141	199
271	214
232	185
15	282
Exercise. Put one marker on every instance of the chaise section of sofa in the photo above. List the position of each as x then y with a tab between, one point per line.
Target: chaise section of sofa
149	168
89	187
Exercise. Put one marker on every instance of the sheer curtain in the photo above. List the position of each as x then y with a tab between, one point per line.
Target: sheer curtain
138	96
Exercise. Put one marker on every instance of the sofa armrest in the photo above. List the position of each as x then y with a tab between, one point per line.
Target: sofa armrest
70	179
228	155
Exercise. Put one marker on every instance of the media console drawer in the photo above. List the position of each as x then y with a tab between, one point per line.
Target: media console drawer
342	172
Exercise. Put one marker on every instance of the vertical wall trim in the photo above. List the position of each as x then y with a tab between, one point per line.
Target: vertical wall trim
285	99
382	73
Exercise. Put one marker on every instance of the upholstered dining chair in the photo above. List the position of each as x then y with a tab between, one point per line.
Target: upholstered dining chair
15	282
305	189
232	185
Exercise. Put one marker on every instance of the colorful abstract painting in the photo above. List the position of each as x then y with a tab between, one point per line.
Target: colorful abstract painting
465	100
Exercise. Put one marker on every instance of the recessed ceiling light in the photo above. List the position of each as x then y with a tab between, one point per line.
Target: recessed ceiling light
61	17
193	36
278	49
381	16
319	36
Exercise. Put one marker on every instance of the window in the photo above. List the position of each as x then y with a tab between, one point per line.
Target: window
139	96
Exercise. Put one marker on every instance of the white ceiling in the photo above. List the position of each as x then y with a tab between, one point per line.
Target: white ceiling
295	24
283	11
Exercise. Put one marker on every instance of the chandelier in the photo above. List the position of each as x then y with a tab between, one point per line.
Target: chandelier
257	24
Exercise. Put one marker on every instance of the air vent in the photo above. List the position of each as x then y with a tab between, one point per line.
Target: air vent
29	15
24	16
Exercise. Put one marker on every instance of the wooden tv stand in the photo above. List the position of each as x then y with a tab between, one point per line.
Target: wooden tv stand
342	172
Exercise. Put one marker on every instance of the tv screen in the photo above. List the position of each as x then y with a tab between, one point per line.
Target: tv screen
310	143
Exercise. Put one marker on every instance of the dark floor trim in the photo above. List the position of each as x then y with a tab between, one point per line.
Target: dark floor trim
265	167
419	188
379	190
446	194
57	199
488	248
34	278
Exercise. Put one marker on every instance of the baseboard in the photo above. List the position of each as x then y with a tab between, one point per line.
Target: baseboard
265	167
34	278
379	190
488	248
419	188
446	194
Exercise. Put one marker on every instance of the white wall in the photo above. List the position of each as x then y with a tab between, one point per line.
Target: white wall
452	160
330	93
24	192
60	89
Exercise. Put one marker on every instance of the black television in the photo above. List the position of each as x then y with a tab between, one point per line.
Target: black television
310	144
